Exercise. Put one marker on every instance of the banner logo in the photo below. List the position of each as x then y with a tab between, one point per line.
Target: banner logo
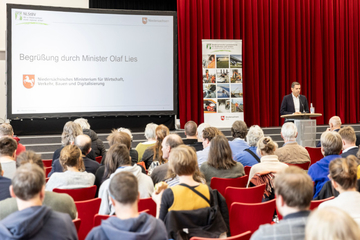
208	46
144	20
222	118
18	16
28	81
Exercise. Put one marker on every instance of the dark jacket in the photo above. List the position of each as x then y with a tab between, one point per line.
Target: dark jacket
96	144
352	151
194	143
56	154
4	188
287	105
329	191
38	222
143	227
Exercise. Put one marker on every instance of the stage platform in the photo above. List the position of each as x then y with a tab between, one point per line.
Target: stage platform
47	144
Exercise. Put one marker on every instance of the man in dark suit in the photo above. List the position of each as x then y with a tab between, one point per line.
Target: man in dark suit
294	103
348	140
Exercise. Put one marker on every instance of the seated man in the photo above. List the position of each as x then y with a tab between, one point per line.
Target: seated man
34	221
191	136
84	143
249	156
6	130
208	134
291	152
293	190
7	156
59	202
4	186
238	131
334	126
348	137
331	145
128	223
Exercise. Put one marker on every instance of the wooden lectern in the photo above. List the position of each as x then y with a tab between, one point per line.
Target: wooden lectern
306	127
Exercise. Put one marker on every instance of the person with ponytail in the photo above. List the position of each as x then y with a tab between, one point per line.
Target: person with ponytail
343	177
269	161
154	153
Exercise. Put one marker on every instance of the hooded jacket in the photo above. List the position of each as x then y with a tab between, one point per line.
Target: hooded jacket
39	222
146	188
143	227
96	144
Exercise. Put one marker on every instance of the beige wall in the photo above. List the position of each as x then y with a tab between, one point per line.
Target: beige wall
57	3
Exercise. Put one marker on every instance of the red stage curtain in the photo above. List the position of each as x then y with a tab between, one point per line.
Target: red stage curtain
314	42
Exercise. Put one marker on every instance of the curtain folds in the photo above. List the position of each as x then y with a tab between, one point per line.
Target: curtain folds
314	42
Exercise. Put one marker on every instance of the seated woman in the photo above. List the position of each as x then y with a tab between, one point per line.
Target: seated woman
73	175
183	163
330	223
220	163
154	153
268	161
343	177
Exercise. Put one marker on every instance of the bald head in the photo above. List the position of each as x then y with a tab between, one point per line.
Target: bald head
84	143
335	123
169	142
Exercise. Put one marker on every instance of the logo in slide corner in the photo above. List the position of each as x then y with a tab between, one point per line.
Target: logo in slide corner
29	81
144	20
222	118
18	16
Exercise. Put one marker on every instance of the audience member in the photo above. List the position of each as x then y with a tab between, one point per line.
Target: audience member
159	174
128	223
151	140
133	153
200	130
169	142
269	161
97	145
291	152
249	156
348	137
191	136
84	143
4	185
34	221
74	175
334	126
6	130
331	145
343	177
7	156
154	153
208	134
182	161
331	223
59	202
294	191
118	160
220	163
238	132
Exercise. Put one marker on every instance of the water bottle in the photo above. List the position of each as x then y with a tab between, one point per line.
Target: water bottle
312	109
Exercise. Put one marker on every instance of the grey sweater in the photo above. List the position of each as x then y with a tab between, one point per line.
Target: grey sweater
209	172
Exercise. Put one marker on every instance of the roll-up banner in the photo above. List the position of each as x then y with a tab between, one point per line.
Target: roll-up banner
222	82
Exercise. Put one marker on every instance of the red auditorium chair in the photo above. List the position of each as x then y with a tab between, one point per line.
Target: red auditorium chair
86	212
47	171
242	236
221	184
79	194
147	203
244	195
47	163
77	223
304	166
247	170
98	159
315	154
249	216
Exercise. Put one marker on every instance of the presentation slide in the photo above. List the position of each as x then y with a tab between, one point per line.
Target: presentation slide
75	62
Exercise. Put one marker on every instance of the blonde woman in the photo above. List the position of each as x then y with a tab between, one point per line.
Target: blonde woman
331	223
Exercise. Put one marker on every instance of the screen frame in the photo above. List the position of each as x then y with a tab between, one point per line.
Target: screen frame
12	116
